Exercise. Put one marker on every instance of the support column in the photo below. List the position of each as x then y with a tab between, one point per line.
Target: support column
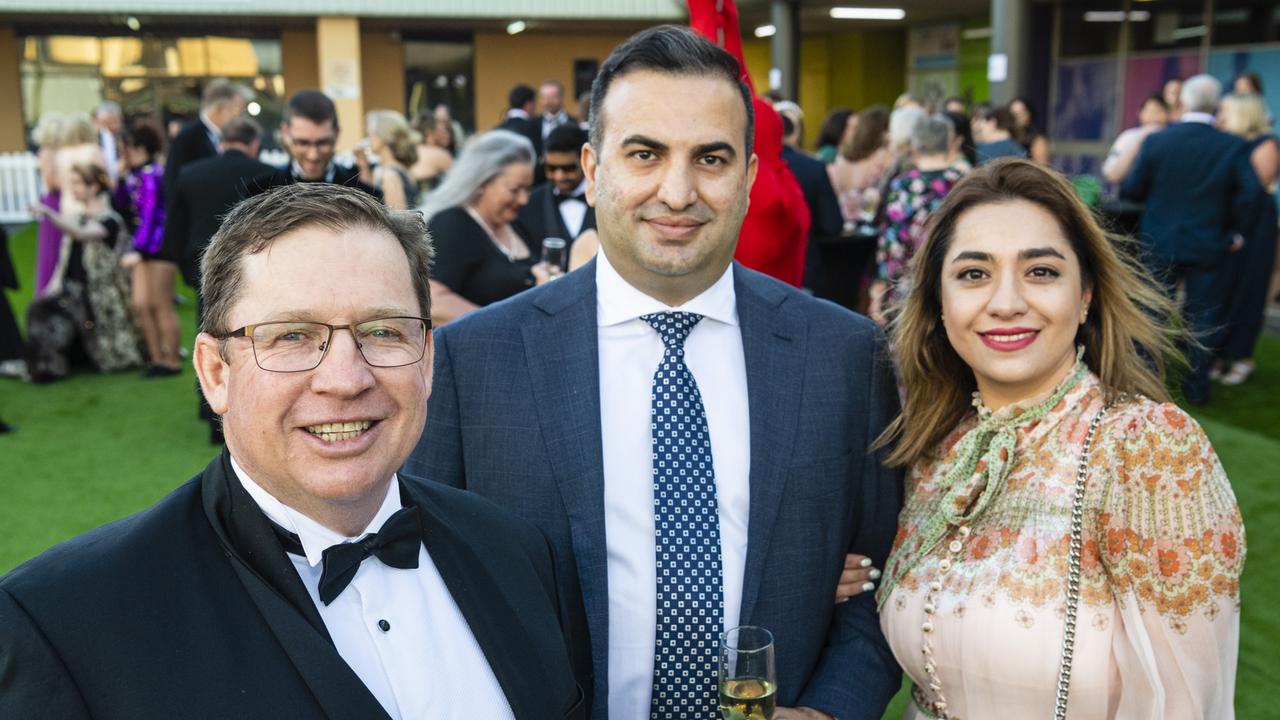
13	130
785	48
338	51
1010	38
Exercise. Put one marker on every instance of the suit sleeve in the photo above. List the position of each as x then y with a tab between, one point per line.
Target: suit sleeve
438	455
34	682
857	674
1138	183
177	234
827	219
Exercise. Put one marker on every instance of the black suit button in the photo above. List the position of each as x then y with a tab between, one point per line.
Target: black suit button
384	626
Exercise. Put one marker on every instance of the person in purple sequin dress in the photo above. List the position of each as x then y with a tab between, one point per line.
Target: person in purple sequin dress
154	268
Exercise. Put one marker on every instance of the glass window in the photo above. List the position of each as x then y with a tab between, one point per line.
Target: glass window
1240	22
1167	24
441	73
1090	28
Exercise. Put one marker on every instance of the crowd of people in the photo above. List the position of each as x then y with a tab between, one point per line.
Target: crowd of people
673	443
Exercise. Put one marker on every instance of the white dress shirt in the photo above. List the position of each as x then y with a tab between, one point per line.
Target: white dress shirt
110	152
574	210
427	663
630	351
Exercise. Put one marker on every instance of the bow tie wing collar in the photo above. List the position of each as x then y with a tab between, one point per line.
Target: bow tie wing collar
396	545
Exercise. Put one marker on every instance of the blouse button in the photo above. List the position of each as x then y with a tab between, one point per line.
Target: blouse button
935	586
955	546
928	608
964	531
384	626
927	626
945	565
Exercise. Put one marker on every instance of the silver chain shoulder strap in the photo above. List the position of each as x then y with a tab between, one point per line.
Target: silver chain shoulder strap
1073	570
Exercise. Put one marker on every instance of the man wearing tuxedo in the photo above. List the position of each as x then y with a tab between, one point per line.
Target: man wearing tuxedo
310	132
691	436
222	100
299	575
519	118
558	208
551	101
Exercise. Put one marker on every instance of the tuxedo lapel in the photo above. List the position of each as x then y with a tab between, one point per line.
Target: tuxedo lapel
493	618
773	348
274	586
560	349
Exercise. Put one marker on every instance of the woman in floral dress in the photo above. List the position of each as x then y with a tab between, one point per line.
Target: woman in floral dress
1023	349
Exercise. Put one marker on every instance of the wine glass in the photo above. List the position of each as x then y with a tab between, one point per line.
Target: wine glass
748	682
553	256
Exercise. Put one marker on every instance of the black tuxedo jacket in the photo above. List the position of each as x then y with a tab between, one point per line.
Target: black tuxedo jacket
530	128
541	219
191	609
202	196
342	175
192	143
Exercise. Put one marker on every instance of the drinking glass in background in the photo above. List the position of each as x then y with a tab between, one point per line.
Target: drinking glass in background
554	256
748	682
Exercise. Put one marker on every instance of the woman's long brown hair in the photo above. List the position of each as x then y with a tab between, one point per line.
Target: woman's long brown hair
1127	336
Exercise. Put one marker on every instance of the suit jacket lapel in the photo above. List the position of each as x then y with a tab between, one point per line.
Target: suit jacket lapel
274	586
773	346
561	352
492	617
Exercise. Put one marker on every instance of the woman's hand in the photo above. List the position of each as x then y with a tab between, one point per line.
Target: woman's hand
130	259
857	577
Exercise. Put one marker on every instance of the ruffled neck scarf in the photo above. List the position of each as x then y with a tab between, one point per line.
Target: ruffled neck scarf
984	458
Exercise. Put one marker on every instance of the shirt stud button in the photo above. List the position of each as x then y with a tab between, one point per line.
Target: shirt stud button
384	626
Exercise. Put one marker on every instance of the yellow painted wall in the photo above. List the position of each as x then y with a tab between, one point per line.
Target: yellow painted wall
300	59
853	69
382	71
338	40
503	61
12	129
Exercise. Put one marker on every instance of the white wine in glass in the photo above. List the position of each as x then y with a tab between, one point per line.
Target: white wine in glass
748	681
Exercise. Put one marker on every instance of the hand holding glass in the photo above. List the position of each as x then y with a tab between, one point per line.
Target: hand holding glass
553	256
748	681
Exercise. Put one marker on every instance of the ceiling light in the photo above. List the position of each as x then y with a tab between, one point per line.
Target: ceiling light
864	13
1116	16
765	31
976	33
253	109
516	27
132	23
1190	32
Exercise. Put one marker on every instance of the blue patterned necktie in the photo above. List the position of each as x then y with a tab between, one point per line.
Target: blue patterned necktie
687	519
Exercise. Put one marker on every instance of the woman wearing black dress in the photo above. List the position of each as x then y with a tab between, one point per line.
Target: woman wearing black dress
481	256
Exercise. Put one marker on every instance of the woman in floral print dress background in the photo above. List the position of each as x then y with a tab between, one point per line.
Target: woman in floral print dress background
1025	324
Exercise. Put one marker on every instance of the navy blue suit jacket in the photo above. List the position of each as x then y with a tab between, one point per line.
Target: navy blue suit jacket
1195	180
515	416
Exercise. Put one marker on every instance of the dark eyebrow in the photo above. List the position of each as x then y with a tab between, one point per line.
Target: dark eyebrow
972	255
645	141
715	147
1037	253
698	151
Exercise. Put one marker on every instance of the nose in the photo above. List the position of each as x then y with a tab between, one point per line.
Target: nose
677	188
343	371
1007	299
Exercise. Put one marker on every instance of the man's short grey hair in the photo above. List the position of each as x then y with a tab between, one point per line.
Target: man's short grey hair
932	135
220	91
108	107
1201	93
481	160
902	125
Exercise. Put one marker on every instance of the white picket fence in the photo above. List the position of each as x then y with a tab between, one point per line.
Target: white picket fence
19	187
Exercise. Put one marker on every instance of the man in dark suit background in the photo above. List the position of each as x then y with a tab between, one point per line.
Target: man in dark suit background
1195	180
559	208
551	108
691	436
520	119
299	575
310	132
222	100
819	196
205	193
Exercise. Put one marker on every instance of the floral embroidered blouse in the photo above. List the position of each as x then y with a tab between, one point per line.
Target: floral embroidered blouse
977	623
910	199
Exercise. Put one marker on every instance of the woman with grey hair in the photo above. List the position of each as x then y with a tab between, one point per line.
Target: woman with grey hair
481	256
910	198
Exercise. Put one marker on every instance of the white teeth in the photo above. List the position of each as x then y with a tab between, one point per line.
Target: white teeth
1011	338
333	432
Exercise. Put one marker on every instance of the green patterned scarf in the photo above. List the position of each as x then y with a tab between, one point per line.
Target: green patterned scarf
984	459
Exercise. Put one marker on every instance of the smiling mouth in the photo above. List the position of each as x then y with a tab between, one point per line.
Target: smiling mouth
337	432
1018	337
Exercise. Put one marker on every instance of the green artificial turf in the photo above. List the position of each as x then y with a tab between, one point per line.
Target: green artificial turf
97	447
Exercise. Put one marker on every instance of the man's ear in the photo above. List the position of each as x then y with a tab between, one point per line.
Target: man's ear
213	371
589	165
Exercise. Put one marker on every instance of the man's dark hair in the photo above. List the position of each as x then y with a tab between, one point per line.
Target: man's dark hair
520	96
565	139
145	134
241	131
1156	98
312	105
1001	114
788	126
671	50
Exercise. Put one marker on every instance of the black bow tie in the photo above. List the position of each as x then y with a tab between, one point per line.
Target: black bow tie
396	545
562	198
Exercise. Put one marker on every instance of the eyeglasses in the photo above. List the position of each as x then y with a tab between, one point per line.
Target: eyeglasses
568	168
323	144
300	346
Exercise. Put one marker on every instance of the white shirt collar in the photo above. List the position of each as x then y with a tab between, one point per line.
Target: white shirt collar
315	538
617	301
329	172
213	130
517	112
1198	117
577	192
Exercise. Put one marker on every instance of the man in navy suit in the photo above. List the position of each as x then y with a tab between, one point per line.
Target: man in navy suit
199	138
1195	180
691	436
